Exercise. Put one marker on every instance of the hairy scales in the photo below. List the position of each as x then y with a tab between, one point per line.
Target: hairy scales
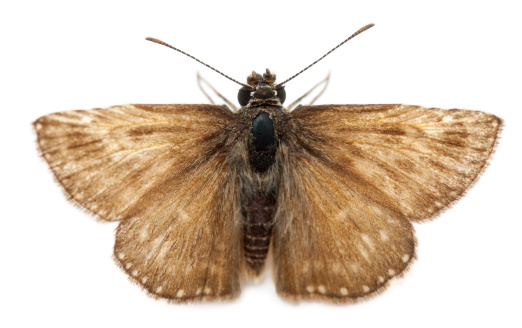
145	166
201	193
258	182
354	177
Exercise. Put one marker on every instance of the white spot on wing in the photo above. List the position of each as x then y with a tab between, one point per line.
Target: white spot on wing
159	289
343	291
381	279
341	216
164	249
183	216
144	280
86	119
135	272
121	255
128	265
367	240
179	293
38	126
144	232
336	267
384	235
310	289
391	272
207	290
363	251
365	288
405	258
321	289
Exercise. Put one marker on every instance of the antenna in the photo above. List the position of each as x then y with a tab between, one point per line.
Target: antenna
199	61
362	29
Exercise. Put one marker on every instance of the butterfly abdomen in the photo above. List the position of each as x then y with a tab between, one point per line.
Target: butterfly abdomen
257	229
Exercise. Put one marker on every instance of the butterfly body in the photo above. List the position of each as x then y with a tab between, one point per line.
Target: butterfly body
259	177
202	193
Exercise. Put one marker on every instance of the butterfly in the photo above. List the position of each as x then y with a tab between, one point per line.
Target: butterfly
204	194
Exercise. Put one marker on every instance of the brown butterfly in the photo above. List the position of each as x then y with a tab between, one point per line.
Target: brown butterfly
203	193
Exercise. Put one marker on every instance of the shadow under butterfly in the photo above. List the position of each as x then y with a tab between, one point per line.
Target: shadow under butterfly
203	193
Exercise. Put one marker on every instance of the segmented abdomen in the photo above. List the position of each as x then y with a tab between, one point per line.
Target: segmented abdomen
258	212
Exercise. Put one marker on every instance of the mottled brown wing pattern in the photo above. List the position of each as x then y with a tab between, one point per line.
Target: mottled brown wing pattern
361	173
417	160
146	166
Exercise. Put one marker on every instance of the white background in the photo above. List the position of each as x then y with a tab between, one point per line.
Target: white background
56	268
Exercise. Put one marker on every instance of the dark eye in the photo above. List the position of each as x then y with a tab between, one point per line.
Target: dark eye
243	96
281	94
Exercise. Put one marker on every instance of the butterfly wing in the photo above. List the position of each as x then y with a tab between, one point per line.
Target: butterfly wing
354	177
158	170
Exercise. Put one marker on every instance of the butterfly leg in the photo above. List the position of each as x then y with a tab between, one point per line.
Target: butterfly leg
202	80
324	81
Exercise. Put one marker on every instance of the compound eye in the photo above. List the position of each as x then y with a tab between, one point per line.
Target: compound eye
243	96
281	94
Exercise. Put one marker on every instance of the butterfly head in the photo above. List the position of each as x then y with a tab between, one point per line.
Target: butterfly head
261	90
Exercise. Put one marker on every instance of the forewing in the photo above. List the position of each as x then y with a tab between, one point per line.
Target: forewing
353	177
160	170
414	160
